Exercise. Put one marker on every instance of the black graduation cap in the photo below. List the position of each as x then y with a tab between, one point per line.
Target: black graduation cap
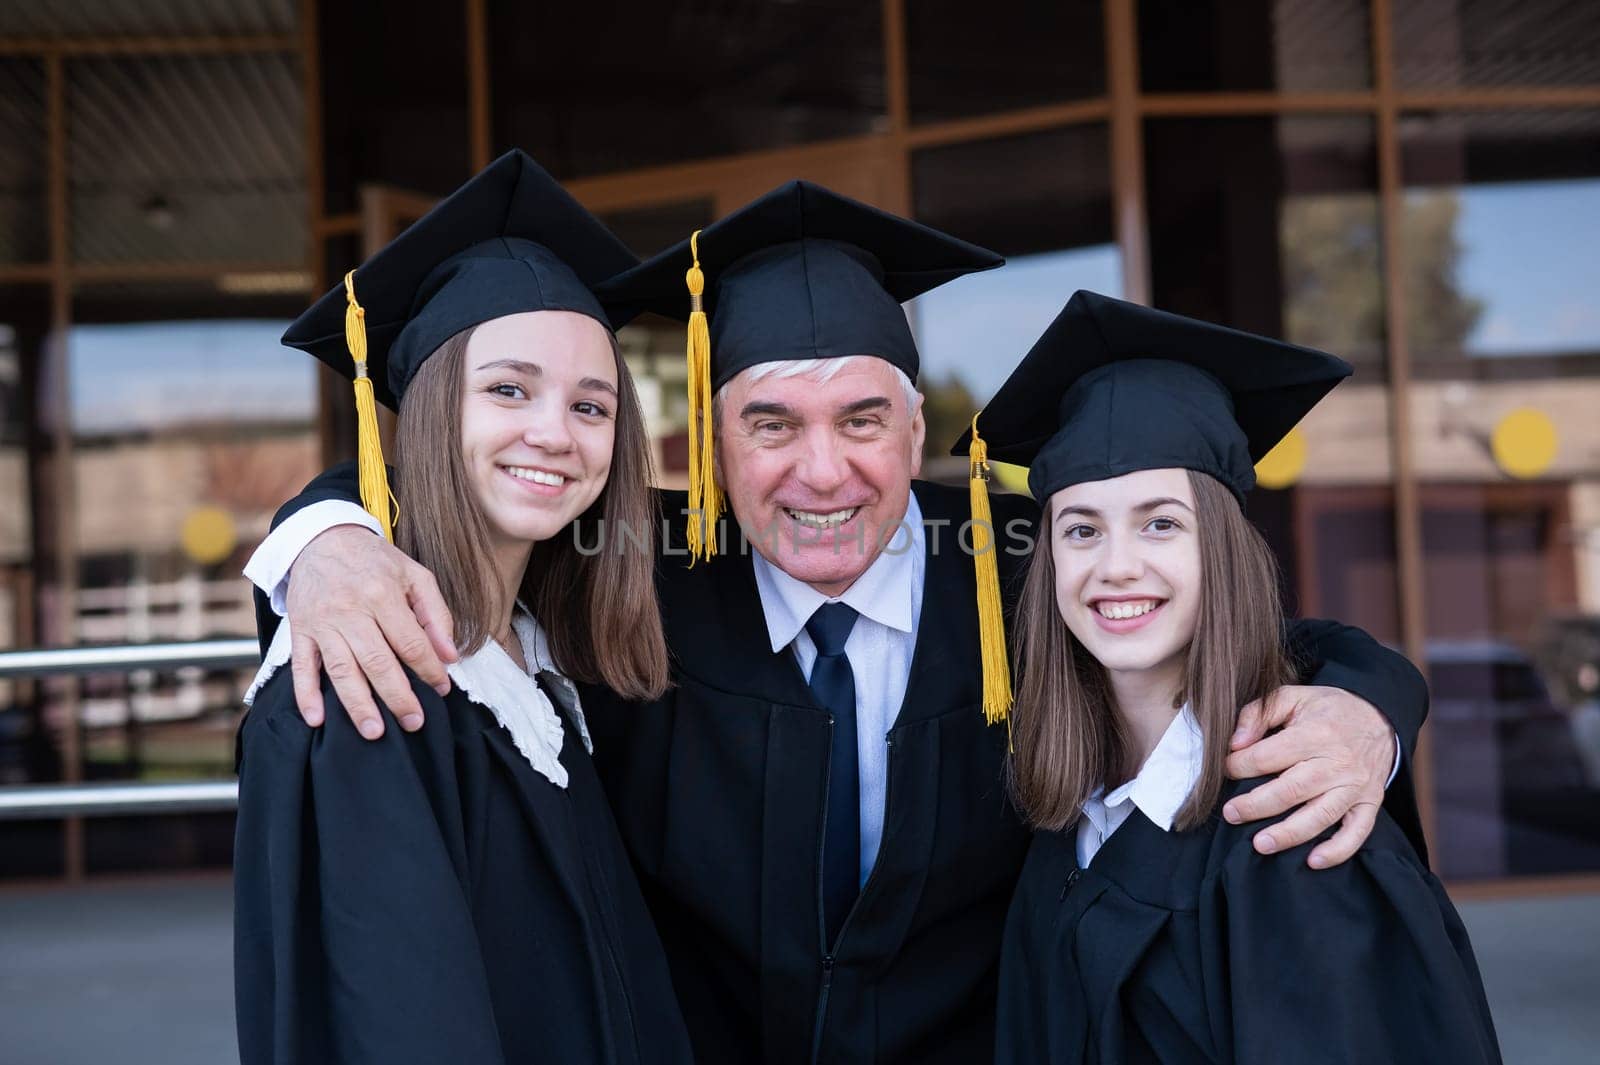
802	273
510	240
1113	387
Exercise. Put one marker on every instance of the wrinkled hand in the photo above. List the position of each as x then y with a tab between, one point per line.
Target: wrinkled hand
1332	757
355	602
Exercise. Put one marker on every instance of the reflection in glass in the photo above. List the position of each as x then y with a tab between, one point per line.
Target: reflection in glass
26	751
1502	246
974	330
1254	45
1056	190
1481	43
1473	243
187	435
649	230
602	87
1032	53
24	147
395	114
1051	217
1272	225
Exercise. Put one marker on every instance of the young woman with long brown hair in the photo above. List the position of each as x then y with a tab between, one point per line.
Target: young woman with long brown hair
1145	928
460	893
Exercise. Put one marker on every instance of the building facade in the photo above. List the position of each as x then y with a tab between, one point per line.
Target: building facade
1412	185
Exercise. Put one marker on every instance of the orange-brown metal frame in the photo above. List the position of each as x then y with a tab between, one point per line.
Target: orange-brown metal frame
63	474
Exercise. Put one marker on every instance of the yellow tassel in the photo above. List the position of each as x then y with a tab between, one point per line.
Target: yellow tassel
991	619
705	498
375	493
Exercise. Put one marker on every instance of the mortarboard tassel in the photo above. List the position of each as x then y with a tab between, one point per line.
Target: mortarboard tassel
991	620
375	493
705	499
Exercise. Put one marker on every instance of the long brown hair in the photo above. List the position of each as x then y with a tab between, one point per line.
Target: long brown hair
1065	730
598	609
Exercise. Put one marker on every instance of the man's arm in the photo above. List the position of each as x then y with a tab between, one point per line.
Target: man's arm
1335	748
359	607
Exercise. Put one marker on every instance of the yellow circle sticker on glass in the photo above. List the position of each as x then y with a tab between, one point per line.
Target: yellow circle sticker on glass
209	535
1283	465
1524	442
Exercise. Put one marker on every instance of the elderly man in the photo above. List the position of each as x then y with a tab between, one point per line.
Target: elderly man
817	810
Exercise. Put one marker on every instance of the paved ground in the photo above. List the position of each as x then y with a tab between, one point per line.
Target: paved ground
138	973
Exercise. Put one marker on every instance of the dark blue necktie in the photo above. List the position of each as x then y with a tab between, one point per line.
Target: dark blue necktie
834	685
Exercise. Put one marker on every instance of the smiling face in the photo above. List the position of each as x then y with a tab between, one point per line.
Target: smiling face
819	472
1127	565
538	423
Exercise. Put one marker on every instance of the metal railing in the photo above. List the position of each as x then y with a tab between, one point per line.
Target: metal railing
43	801
122	658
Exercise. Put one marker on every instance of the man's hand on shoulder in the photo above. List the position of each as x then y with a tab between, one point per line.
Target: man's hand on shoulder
1332	753
358	607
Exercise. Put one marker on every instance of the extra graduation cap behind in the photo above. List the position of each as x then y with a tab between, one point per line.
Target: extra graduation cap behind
801	273
1114	387
509	240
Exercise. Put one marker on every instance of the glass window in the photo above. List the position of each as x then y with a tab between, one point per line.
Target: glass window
1254	45
1055	191
601	87
1032	54
394	98
26	753
190	424
1480	43
24	173
187	158
1051	218
30	749
1501	248
649	230
1272	225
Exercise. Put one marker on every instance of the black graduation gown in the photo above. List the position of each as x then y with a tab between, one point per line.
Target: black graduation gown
718	790
1189	947
432	898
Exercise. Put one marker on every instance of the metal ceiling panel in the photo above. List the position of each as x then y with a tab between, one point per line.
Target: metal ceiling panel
184	158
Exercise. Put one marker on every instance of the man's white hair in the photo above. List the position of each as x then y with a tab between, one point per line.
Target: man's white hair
818	370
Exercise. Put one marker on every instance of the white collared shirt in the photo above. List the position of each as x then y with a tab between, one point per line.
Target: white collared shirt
1158	790
1161	787
888	598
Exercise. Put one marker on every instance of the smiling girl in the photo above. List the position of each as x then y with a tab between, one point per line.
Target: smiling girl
1145	928
460	893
